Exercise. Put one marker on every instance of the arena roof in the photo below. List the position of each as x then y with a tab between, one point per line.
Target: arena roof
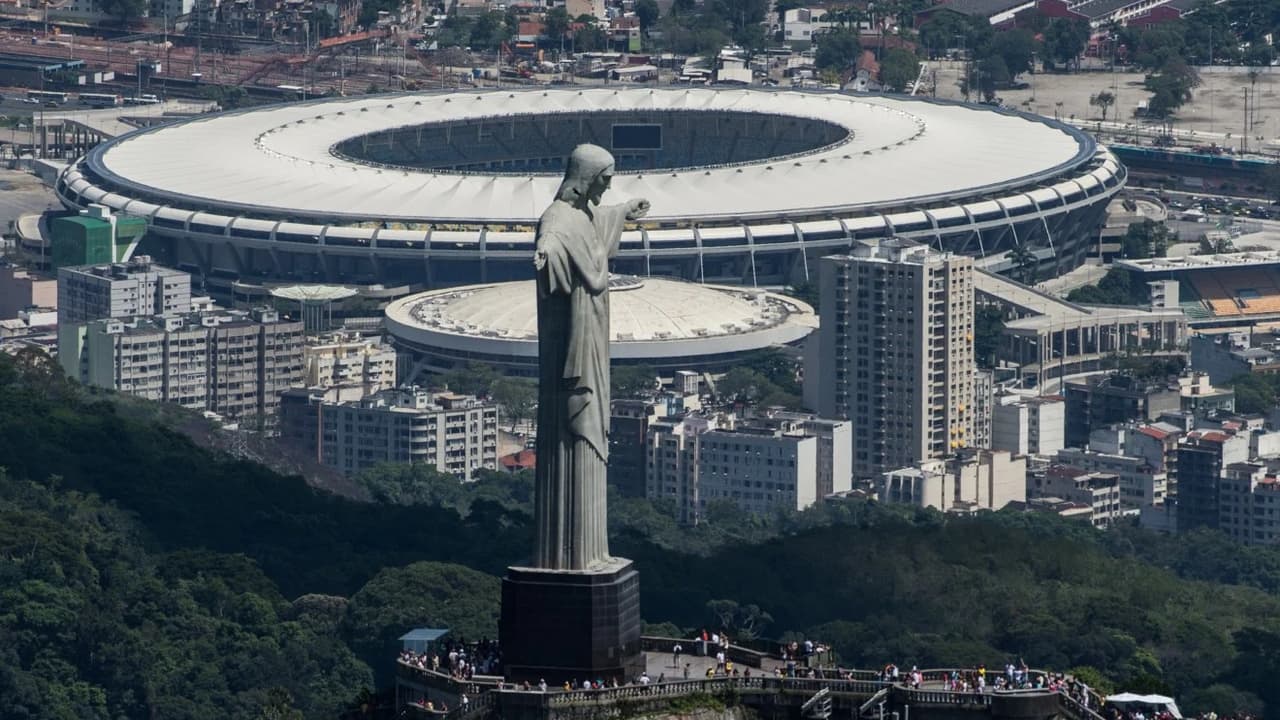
278	162
650	317
1217	261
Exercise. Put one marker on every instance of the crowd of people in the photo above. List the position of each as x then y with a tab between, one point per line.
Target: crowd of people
458	659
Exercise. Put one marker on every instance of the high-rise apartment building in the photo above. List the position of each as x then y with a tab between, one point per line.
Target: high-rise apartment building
783	461
121	290
895	352
345	359
1028	424
232	363
456	434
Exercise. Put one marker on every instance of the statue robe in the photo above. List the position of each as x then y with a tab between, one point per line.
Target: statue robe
573	384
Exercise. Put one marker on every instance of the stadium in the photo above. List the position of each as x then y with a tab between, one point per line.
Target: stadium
1222	290
660	322
748	187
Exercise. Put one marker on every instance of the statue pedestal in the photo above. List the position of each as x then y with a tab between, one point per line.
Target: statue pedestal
564	625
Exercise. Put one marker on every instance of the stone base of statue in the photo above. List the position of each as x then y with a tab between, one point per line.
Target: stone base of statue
563	625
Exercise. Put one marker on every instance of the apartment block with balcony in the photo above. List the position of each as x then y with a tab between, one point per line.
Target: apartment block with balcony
895	353
346	359
121	290
456	434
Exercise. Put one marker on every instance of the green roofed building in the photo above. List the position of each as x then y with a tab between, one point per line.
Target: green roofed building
88	240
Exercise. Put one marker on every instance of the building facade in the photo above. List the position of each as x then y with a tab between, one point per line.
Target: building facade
456	434
121	290
232	363
1028	424
1101	400
970	480
895	352
349	360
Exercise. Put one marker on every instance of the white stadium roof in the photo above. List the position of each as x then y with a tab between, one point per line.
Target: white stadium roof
650	317
279	160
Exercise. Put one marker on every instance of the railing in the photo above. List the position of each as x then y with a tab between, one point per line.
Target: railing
473	688
1075	709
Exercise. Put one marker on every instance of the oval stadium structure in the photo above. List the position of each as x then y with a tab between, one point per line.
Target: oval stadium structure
660	322
747	186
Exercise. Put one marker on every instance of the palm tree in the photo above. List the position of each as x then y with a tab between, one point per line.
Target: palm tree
1024	262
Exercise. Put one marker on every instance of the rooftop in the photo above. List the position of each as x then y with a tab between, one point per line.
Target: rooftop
280	159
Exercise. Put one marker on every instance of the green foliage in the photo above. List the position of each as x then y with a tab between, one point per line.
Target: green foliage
1115	288
1146	239
988	326
1065	41
424	594
516	398
1170	87
630	381
1103	101
123	10
1152	368
1017	48
991	74
418	484
806	292
95	625
838	50
899	68
471	379
746	622
647	12
1255	392
555	25
144	577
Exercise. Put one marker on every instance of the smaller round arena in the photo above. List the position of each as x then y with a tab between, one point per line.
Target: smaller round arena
664	323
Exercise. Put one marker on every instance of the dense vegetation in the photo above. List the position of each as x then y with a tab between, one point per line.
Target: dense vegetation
143	576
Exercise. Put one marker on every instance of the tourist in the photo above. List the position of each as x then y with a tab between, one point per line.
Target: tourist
675	655
542	687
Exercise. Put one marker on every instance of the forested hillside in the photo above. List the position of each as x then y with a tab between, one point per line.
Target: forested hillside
141	576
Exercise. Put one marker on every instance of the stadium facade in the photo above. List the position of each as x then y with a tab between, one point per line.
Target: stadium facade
747	186
658	322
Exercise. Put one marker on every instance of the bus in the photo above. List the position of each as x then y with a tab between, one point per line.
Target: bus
42	96
100	100
142	100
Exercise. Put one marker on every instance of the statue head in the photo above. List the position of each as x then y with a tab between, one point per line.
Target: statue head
589	172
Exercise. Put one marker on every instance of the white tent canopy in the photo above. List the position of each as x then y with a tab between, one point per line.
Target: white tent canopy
1162	702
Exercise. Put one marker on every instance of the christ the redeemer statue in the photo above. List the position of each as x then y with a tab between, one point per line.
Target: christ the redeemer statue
576	238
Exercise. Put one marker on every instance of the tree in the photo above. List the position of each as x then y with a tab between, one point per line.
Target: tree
837	50
647	12
1146	239
782	7
470	379
1017	48
324	23
516	398
1171	87
124	10
629	381
1103	101
424	594
1065	40
899	69
555	24
945	30
991	74
1024	262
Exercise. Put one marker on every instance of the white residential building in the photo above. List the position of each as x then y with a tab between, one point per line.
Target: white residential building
457	434
121	290
971	480
895	353
1028	424
349	360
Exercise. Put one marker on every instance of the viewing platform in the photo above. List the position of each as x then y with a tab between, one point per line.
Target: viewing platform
832	693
